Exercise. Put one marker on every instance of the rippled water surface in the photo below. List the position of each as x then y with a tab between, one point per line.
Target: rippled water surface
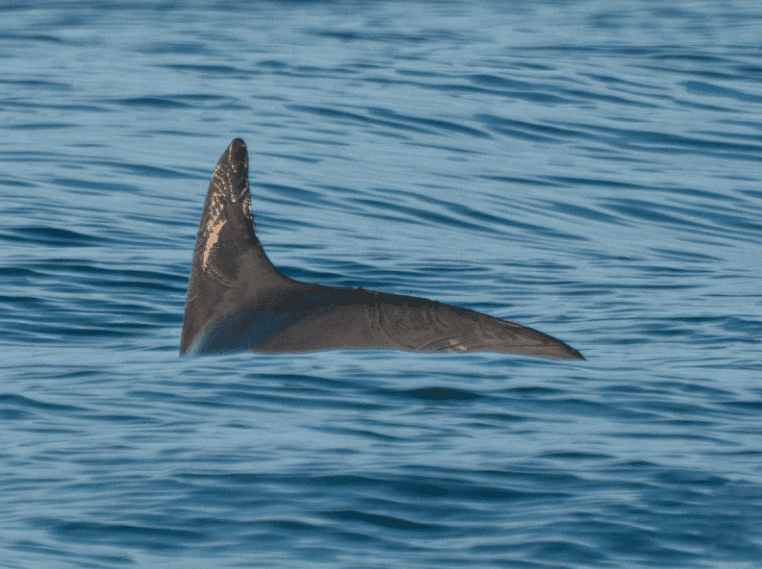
593	170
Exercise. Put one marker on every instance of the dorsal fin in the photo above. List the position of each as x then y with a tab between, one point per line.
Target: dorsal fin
237	300
228	261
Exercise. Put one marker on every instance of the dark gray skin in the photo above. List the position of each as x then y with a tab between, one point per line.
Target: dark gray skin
237	300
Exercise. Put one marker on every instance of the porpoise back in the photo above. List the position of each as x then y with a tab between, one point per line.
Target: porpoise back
237	300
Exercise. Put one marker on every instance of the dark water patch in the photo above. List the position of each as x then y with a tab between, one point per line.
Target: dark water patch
18	401
40	126
420	215
597	183
151	102
567	551
522	181
35	84
691	479
496	81
344	115
743	325
732	136
42	38
389	522
18	272
299	195
325	142
497	418
226	71
647	211
530	92
75	334
144	170
294	157
94	188
116	276
711	90
685	256
700	106
576	406
174	47
16	183
585	213
13	414
446	126
385	37
440	394
748	407
144	537
576	456
673	143
52	236
367	434
526	130
534	391
94	561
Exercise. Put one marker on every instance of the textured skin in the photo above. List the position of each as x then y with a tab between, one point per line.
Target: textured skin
238	301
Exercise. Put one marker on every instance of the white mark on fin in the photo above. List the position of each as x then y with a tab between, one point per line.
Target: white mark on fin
214	234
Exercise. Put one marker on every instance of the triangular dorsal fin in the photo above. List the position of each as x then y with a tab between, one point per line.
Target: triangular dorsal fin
228	261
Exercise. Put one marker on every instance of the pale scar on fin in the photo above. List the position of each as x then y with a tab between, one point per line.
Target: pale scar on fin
214	234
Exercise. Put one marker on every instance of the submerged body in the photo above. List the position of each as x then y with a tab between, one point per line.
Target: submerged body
237	300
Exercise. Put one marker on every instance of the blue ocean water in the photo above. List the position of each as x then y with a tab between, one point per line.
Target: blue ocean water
593	170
